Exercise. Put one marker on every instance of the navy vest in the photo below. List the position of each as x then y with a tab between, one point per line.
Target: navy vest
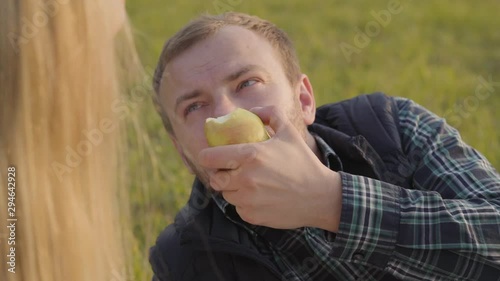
202	244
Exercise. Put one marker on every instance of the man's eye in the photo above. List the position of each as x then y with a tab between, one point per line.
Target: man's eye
247	83
192	107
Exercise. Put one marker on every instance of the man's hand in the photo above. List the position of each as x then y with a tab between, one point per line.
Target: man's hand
278	183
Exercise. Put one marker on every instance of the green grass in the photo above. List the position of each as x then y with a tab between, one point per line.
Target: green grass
431	51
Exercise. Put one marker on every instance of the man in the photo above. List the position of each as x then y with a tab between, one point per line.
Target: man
373	188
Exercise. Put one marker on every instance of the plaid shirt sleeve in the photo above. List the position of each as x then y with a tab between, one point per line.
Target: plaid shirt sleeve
447	227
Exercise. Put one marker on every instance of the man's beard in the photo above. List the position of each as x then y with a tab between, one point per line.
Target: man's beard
293	115
199	173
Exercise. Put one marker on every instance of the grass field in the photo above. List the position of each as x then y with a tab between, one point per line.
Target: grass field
444	55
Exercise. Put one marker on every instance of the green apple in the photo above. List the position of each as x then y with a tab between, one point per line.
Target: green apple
239	126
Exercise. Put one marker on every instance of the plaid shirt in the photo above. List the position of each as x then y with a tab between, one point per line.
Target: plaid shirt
447	227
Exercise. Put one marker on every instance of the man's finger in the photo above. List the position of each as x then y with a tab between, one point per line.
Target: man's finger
227	156
275	118
222	179
230	196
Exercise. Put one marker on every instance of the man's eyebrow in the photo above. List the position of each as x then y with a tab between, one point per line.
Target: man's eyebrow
185	97
231	77
242	71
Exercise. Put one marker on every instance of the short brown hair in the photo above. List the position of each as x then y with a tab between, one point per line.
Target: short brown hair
208	25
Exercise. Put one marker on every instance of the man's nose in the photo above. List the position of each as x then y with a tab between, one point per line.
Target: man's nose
223	105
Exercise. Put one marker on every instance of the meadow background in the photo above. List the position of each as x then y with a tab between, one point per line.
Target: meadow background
438	53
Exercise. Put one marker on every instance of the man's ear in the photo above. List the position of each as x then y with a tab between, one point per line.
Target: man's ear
306	99
181	153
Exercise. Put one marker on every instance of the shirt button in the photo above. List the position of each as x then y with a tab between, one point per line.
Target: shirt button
358	256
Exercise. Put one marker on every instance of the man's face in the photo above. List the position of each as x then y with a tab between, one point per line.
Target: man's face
233	68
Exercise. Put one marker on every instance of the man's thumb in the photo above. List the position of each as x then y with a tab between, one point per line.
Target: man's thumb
274	117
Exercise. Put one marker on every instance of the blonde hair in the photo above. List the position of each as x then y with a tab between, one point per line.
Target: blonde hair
58	129
208	25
